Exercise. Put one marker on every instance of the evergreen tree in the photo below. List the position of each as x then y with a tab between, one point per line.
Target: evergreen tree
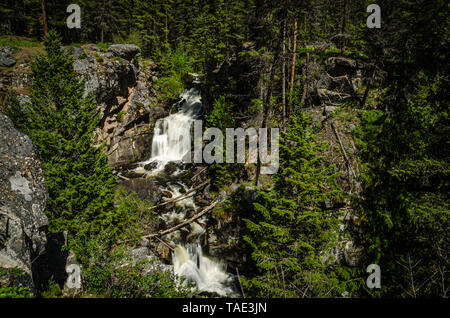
288	233
404	206
61	124
221	117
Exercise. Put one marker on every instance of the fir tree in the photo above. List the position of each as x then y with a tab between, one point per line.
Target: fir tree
288	233
61	124
404	205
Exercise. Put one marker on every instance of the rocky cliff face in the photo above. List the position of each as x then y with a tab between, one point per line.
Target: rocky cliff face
124	91
22	200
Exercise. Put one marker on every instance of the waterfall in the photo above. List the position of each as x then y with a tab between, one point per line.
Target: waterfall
172	135
208	275
171	141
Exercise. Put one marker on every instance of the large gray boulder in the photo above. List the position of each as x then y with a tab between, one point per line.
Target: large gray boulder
126	51
23	195
6	58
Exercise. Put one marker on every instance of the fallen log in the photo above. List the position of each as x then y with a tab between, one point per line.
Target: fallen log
181	197
177	227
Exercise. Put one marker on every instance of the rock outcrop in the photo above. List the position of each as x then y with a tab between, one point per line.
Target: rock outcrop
126	51
23	195
6	58
123	90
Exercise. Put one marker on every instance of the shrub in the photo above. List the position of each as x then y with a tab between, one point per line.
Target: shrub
11	284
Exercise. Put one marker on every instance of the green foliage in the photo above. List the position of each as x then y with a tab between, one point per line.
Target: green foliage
18	42
11	285
131	216
52	291
103	46
110	272
221	117
14	110
287	234
171	87
107	269
120	116
60	122
175	67
404	205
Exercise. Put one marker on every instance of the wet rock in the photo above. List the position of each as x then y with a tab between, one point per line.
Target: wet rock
52	263
126	51
250	194
166	194
23	195
158	112
222	196
151	166
170	167
206	192
126	150
131	174
190	213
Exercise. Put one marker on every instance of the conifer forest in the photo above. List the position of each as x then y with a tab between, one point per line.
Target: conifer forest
224	149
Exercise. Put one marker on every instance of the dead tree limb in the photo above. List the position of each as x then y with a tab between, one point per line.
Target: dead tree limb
198	173
179	226
166	244
181	197
349	165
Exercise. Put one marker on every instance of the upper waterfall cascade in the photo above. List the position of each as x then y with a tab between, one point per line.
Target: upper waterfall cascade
172	134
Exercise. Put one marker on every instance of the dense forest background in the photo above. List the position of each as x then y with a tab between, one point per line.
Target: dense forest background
402	135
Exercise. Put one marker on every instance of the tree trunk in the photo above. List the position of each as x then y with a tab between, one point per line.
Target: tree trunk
366	91
266	106
305	83
101	36
44	18
344	26
294	54
166	31
283	65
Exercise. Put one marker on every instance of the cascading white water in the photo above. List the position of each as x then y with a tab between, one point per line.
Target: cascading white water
171	141
208	275
172	135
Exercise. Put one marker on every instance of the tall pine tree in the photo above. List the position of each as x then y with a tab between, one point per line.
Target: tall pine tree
288	233
61	124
